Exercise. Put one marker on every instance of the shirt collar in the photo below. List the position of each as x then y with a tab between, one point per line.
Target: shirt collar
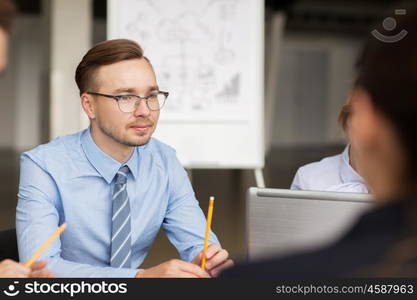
105	165
347	173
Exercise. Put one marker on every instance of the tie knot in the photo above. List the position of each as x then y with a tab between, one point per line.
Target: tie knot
121	175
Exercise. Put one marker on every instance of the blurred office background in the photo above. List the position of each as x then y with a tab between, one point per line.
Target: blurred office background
310	50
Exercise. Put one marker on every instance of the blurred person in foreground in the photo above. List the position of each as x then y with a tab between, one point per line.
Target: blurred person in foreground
383	242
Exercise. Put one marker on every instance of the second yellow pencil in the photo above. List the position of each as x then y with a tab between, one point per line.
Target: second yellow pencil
209	217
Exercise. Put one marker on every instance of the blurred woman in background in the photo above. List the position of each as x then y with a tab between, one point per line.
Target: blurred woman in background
338	173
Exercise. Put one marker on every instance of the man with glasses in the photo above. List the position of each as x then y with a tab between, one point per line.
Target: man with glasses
112	183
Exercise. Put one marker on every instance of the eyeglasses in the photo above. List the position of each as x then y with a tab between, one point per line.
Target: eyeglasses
128	103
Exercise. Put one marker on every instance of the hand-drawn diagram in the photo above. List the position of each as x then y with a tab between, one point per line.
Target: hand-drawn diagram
230	91
196	50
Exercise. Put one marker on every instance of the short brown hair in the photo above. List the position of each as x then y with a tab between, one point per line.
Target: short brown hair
346	113
105	53
7	14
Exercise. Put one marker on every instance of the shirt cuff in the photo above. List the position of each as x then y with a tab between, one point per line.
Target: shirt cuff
125	273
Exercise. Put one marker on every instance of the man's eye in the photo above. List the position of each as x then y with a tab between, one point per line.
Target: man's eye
124	98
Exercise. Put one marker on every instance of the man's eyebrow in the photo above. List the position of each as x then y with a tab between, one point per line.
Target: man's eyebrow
133	90
153	88
124	90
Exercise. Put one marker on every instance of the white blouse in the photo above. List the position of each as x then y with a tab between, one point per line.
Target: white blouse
332	173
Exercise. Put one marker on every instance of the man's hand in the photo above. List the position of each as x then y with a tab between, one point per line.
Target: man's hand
173	268
38	270
217	259
12	269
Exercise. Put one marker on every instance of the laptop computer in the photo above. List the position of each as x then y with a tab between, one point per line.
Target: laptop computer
280	222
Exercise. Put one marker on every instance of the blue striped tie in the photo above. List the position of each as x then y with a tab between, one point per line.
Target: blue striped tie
121	231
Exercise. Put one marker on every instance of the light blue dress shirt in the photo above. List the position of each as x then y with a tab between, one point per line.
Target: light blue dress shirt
331	174
70	180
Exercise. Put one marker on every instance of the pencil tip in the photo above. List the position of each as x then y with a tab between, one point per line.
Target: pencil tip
211	198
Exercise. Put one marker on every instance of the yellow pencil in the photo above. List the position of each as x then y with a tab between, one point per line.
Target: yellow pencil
46	245
209	216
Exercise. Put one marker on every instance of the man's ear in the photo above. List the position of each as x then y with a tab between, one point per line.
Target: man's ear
364	121
88	105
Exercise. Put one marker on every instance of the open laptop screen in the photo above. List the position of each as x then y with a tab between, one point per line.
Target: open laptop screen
280	221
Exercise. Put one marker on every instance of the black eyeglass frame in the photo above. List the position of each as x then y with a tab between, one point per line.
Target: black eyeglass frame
146	98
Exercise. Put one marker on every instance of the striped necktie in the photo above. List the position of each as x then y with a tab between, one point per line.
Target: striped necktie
121	231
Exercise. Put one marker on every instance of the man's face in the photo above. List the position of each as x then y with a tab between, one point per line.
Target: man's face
134	76
4	42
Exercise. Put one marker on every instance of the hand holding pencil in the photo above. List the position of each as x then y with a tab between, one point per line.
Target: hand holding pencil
213	258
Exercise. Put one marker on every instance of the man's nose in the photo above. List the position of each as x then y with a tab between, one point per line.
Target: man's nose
141	108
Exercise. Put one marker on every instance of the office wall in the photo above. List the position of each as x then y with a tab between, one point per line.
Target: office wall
314	78
20	86
71	27
29	85
7	106
24	95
